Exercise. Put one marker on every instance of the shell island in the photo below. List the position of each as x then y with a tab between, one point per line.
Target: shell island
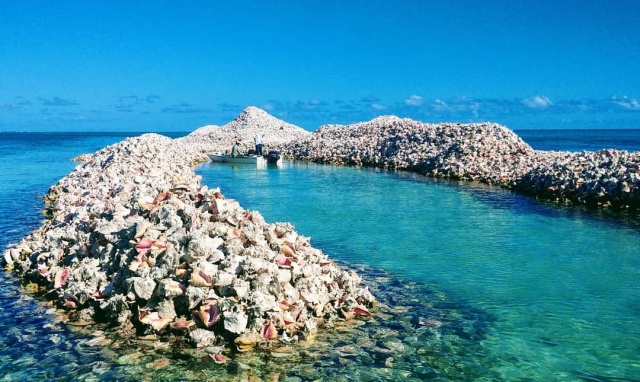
133	240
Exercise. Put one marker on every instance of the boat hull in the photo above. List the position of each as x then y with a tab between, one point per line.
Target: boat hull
245	159
273	157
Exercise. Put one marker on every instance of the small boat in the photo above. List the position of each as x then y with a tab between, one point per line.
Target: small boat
273	157
219	157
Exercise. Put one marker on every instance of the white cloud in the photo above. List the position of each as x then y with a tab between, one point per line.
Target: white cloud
378	107
538	102
627	103
456	106
440	105
414	100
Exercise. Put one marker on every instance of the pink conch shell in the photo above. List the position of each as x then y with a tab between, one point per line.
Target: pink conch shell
218	358
154	320
174	288
361	311
287	319
146	203
71	301
148	244
288	249
284	305
61	278
199	278
247	216
215	211
208	314
98	296
183	324
138	262
283	261
195	221
43	270
144	245
268	331
181	270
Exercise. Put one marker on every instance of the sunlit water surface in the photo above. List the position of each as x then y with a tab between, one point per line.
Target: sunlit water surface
561	283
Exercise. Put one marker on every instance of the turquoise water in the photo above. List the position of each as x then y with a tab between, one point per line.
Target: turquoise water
582	139
561	283
525	290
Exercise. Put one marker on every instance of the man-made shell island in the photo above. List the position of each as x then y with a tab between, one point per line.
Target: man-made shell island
484	152
134	240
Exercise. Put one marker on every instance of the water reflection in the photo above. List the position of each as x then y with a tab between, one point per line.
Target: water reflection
500	198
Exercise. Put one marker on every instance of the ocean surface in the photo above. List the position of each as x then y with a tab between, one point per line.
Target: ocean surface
525	290
582	139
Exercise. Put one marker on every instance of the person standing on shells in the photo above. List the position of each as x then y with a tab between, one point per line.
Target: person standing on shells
235	150
258	141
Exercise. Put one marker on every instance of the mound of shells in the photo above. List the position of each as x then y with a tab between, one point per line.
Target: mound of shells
133	239
604	178
251	122
483	152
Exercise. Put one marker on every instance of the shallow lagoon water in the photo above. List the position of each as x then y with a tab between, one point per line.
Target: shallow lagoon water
561	283
524	290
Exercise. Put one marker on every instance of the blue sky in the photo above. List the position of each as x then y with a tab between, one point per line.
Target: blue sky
175	66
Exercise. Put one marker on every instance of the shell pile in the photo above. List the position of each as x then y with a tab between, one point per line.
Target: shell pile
133	238
273	131
483	152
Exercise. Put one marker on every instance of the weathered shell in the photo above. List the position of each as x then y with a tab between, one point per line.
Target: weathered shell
218	358
288	249
202	337
202	246
208	314
235	320
246	342
182	270
224	278
61	278
268	331
154	320
183	324
200	278
144	287
241	288
171	288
